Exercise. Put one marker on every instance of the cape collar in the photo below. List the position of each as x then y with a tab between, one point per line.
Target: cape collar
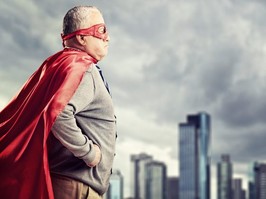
67	48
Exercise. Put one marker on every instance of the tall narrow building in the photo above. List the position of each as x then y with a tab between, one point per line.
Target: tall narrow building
138	175
260	180
194	157
251	181
188	162
156	180
237	191
116	186
224	177
172	188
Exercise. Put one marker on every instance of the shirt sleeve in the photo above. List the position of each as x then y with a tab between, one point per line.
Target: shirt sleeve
66	129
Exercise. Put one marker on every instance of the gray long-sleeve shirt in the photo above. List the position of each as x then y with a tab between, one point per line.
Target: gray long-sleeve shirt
86	120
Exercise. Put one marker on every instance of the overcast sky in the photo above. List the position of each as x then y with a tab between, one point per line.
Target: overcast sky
166	59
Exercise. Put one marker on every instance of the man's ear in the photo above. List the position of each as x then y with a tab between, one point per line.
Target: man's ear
80	39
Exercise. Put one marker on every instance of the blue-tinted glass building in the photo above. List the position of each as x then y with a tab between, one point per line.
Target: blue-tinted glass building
259	170
116	186
156	180
138	175
224	177
172	188
194	157
251	181
237	191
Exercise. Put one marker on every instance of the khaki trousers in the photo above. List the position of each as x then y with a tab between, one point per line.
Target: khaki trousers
67	188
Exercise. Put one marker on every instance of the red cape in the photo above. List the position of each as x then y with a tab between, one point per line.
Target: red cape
26	121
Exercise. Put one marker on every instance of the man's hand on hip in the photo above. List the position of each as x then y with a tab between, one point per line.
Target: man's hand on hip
97	156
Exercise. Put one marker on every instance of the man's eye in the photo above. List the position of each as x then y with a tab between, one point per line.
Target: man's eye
102	30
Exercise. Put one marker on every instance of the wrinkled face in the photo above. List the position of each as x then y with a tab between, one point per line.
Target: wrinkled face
97	45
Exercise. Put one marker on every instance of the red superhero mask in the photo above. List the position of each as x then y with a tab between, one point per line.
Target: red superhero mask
98	31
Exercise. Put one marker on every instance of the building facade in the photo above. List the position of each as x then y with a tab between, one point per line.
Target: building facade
116	187
194	157
138	175
224	178
251	181
237	191
188	184
260	180
172	188
156	180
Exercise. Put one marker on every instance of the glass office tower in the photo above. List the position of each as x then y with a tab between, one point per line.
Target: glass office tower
260	180
138	175
251	181
237	191
188	186
224	177
156	180
194	157
172	188
116	186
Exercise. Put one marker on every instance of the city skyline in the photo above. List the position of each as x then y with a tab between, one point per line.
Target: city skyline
166	59
234	187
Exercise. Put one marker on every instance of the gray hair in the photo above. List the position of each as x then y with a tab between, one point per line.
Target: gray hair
77	18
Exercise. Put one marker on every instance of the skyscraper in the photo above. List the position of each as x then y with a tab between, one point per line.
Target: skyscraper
251	181
260	180
188	163
172	187
194	154
156	180
138	175
224	178
237	191
116	186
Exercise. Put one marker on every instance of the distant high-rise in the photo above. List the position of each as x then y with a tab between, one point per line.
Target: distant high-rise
138	175
156	180
260	180
251	181
116	186
224	178
194	154
237	191
172	188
